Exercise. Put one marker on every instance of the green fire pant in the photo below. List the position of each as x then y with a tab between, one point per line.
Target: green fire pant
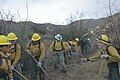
18	68
113	71
34	70
59	60
3	75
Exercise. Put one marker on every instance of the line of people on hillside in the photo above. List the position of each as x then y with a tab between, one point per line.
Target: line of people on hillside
108	54
10	53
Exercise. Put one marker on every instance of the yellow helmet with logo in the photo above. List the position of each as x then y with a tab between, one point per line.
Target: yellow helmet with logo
103	39
36	37
4	40
12	36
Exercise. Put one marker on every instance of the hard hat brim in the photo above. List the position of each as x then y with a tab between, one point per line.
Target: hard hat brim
36	39
103	42
5	44
12	39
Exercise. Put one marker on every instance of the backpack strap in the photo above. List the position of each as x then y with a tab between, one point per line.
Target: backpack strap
69	43
30	44
62	45
40	47
54	45
1	61
15	47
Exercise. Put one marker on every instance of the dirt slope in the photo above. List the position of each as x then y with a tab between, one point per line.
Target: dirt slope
76	70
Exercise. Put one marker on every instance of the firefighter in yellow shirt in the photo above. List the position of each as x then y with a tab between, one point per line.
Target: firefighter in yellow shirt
37	49
57	48
73	45
15	53
110	54
5	64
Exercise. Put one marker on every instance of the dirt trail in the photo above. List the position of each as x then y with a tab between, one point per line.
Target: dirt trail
77	70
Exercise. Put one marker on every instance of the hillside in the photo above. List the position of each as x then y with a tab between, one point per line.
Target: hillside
76	69
24	30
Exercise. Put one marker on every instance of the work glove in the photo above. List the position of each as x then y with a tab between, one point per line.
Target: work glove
40	64
12	67
104	56
1	61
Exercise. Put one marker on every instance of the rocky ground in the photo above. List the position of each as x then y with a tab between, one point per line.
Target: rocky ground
77	70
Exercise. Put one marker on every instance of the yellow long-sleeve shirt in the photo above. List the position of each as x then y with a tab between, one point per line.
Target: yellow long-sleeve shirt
113	55
6	64
57	46
66	45
15	53
37	50
74	43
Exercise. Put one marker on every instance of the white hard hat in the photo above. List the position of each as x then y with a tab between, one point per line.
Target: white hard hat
58	37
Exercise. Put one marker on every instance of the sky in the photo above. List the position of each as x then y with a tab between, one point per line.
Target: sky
56	11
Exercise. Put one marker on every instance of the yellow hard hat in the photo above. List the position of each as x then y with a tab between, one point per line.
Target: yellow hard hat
12	36
77	39
4	40
36	37
104	39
